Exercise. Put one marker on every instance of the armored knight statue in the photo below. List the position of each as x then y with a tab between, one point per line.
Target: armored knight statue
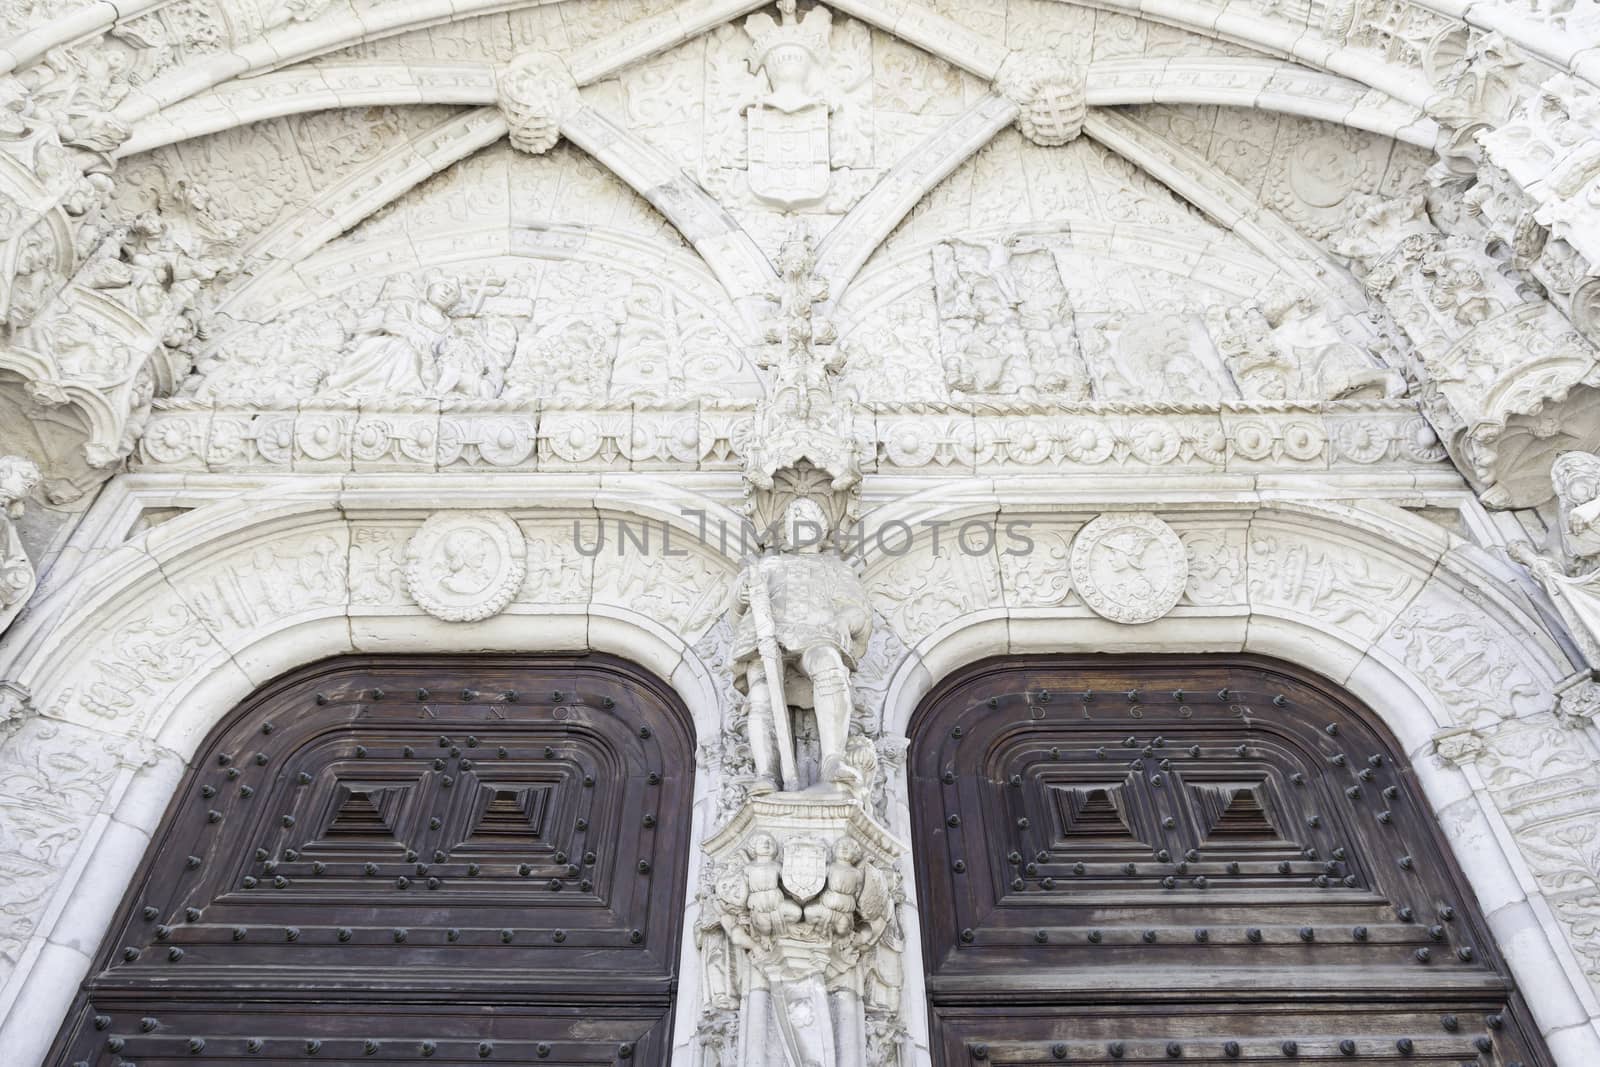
800	623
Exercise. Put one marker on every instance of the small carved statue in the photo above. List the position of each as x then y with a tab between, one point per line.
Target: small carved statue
771	912
1577	597
835	910
800	623
18	477
1576	477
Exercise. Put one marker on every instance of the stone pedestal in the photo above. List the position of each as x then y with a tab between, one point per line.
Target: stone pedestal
801	938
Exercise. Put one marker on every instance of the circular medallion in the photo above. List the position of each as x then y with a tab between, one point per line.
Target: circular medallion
462	566
1129	566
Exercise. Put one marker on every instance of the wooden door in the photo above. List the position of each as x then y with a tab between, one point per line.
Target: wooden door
1186	859
386	861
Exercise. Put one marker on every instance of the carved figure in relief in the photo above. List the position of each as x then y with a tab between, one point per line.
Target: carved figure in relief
810	934
800	624
1005	321
800	373
1279	348
398	350
18	478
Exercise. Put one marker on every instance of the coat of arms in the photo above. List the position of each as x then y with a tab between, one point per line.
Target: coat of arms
788	137
805	868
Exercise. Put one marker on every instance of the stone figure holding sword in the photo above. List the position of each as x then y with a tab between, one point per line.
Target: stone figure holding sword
800	624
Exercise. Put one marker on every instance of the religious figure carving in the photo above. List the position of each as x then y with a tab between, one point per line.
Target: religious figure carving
1576	478
1005	321
407	348
800	624
1279	348
18	477
788	137
1577	597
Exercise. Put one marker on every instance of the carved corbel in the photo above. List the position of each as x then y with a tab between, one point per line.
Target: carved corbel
1459	747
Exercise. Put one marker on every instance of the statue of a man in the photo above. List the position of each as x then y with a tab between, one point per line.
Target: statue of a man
800	623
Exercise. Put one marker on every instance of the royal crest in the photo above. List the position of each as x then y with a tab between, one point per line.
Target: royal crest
787	132
805	868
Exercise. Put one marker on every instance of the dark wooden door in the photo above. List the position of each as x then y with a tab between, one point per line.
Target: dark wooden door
392	861
1189	859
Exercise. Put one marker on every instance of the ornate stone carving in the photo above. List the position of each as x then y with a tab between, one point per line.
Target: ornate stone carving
1577	597
18	478
1129	567
466	566
1578	705
535	93
800	624
787	133
1576	479
801	423
1459	746
1505	380
1281	347
801	935
1050	93
1005	321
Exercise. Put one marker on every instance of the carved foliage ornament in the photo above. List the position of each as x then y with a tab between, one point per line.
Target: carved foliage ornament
466	566
1129	567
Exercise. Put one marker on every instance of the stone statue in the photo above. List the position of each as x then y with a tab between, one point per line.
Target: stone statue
1577	597
1576	478
18	477
800	623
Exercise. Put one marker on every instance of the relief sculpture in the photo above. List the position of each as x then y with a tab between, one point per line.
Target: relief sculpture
1005	321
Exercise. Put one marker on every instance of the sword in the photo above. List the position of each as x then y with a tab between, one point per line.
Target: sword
772	660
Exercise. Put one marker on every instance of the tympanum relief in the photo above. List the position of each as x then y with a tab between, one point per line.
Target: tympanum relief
512	330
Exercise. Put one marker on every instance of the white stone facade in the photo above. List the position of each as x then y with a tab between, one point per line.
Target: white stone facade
332	328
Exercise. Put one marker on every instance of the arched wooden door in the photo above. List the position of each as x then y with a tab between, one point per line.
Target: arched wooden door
1187	859
400	861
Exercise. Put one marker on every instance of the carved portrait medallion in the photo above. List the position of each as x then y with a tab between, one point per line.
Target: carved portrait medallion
1129	566
467	565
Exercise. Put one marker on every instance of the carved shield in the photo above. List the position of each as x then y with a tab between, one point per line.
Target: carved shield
805	868
788	153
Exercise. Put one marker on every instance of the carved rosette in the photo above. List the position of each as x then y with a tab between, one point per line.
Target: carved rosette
466	566
1050	93
535	93
1129	567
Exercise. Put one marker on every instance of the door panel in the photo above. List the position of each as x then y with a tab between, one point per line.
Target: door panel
383	860
1189	852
